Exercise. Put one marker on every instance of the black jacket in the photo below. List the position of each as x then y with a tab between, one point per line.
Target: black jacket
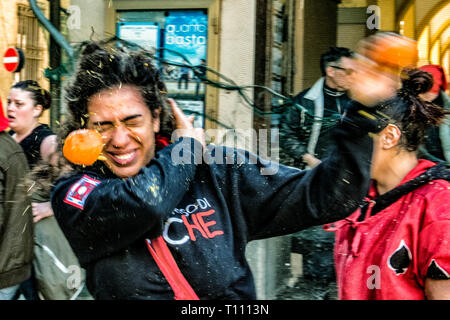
297	127
206	212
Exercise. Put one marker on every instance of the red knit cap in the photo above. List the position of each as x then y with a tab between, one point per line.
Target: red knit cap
440	83
4	123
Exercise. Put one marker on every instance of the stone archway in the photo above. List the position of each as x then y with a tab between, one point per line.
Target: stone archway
433	35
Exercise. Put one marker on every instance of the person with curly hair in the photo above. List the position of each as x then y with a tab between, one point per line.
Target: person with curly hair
148	226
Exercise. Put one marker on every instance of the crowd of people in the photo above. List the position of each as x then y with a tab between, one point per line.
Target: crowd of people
145	225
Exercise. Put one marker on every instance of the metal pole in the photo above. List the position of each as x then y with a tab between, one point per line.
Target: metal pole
56	35
57	41
55	62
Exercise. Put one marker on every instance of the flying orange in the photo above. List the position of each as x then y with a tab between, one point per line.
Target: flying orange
83	147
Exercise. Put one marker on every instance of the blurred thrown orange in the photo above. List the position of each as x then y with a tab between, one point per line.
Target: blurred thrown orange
83	147
390	50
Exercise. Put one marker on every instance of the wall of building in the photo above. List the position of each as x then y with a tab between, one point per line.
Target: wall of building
9	38
315	32
91	20
237	54
351	26
318	36
423	8
8	22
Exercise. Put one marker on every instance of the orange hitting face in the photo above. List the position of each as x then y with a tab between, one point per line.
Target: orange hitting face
83	147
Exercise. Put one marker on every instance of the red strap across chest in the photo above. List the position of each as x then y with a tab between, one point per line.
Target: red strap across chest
166	263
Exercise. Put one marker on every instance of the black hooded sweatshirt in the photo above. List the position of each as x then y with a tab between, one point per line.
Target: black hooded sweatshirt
207	212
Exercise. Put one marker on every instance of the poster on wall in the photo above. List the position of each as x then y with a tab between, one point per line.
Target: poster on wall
144	34
186	34
179	37
185	42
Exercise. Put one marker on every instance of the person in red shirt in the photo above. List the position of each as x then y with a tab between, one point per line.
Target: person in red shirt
397	245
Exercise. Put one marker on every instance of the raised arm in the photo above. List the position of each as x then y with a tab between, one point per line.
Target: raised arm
292	200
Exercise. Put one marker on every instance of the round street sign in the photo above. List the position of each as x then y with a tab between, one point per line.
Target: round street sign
13	59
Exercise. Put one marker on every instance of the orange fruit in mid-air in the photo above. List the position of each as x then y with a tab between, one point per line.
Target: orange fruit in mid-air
83	147
389	49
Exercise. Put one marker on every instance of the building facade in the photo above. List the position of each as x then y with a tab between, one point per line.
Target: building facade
20	28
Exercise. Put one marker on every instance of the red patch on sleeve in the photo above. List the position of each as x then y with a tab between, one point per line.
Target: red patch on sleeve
79	191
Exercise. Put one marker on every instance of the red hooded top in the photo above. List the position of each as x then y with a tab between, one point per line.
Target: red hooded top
4	123
389	254
440	82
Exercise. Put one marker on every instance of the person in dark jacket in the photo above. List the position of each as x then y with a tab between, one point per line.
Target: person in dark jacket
305	139
16	225
305	136
437	142
151	223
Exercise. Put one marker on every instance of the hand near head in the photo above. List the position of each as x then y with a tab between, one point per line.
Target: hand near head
310	160
184	125
371	85
380	59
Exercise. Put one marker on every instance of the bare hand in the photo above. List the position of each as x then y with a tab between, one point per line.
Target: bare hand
310	160
378	63
41	210
371	85
184	125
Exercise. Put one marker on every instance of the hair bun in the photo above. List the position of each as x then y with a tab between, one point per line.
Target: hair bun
46	99
416	81
39	94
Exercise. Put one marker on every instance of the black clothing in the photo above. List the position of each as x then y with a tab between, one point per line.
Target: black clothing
336	104
296	128
296	131
437	139
432	139
31	145
207	214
